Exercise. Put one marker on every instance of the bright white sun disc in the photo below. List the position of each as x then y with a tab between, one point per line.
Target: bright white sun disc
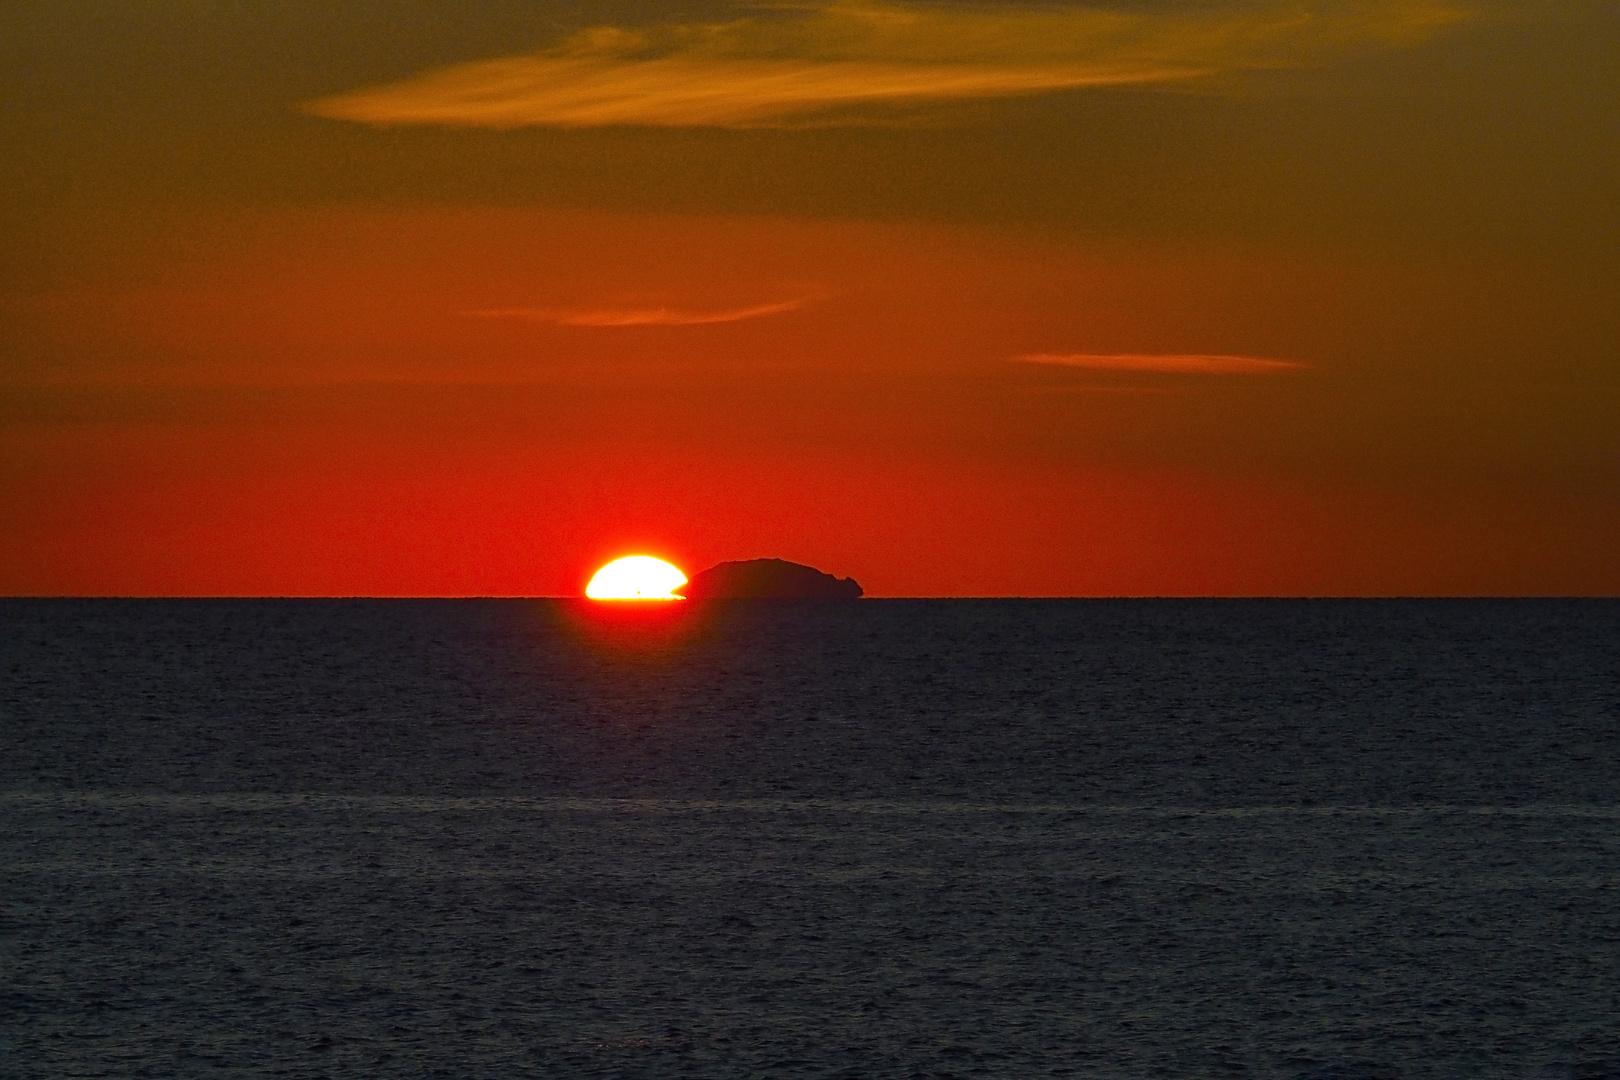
637	577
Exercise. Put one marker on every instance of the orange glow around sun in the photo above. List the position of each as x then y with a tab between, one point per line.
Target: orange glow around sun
636	577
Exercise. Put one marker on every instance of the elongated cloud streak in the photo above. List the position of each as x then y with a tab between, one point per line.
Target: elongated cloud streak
650	316
1176	363
681	92
814	62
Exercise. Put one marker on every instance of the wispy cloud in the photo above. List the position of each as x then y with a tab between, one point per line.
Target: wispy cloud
813	62
644	316
1174	363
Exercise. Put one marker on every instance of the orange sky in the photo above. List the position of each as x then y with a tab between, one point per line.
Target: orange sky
1332	315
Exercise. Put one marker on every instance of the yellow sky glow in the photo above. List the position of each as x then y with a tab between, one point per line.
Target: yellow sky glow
799	64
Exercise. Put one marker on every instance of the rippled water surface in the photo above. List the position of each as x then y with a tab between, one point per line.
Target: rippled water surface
882	839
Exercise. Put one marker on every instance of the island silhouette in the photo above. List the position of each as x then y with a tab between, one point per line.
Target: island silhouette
767	579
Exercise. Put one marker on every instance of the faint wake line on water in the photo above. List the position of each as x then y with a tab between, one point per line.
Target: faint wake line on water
252	801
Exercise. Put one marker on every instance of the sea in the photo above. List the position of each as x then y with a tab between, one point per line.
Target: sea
1292	839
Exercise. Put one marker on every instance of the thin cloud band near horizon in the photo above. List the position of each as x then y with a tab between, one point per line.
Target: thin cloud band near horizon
609	317
1167	363
814	63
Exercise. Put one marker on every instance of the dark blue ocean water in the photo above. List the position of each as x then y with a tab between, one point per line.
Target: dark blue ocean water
1290	839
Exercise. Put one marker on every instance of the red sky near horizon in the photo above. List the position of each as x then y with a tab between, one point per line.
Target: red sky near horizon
279	320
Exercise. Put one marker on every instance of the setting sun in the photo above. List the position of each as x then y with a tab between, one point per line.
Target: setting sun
637	577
